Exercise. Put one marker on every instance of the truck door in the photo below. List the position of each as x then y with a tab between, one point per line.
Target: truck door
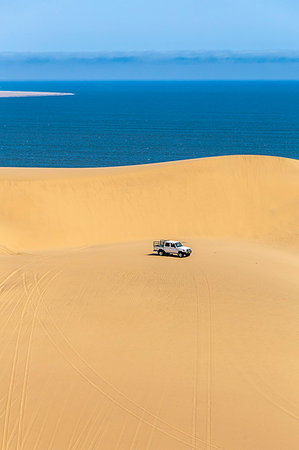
173	248
167	247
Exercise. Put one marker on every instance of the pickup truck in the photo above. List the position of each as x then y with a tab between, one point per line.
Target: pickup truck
167	247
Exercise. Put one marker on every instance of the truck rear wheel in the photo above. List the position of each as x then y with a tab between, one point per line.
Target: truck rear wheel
180	255
161	252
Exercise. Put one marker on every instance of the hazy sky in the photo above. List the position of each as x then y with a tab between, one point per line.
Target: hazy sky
161	25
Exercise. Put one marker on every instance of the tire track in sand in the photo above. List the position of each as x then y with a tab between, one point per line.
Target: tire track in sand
29	347
196	359
204	309
150	439
210	365
13	369
4	281
4	294
93	378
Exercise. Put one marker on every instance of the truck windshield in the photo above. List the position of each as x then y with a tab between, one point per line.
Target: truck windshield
178	244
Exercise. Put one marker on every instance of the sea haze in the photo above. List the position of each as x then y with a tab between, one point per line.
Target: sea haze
122	123
149	66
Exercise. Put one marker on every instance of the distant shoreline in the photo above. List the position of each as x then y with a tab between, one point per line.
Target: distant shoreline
6	94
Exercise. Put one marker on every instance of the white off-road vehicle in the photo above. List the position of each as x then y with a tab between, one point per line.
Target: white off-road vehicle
167	247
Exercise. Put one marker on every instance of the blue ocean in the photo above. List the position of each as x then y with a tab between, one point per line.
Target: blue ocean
122	123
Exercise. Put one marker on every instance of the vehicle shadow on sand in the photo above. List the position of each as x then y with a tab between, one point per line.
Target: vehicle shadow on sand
165	256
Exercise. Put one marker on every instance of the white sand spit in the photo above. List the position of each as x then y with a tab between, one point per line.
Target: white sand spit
31	94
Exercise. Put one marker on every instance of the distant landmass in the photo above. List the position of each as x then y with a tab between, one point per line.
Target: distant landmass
222	65
5	94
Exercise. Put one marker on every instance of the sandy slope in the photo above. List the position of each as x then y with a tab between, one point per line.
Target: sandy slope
30	94
110	347
237	196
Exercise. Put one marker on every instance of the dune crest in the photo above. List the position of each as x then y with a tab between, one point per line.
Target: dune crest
253	197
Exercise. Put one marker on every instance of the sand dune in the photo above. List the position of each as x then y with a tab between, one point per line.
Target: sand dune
30	94
106	346
236	196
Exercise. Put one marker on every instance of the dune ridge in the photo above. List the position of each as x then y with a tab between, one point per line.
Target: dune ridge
233	196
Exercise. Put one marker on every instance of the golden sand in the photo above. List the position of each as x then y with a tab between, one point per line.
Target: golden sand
106	346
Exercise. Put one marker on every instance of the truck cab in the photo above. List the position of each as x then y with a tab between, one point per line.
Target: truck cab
169	247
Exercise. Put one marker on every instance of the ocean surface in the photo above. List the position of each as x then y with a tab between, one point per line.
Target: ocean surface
123	123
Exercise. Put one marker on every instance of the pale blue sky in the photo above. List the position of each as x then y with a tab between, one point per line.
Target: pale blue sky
159	25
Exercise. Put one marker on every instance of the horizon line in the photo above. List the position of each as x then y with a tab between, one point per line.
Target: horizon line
274	56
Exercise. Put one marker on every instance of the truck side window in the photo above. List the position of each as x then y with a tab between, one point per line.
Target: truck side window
172	245
167	244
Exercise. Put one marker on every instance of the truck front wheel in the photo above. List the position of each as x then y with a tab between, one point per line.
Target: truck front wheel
161	252
180	255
